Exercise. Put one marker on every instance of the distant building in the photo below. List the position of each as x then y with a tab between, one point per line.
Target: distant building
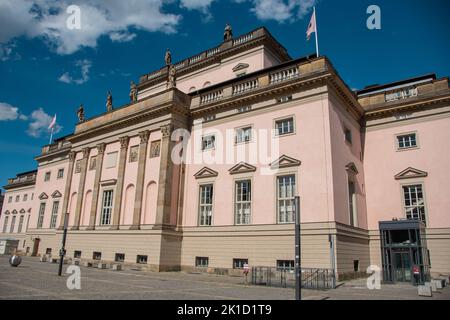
370	167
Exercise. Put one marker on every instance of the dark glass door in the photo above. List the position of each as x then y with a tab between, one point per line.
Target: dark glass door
402	265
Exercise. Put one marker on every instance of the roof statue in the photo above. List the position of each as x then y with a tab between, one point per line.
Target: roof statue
228	33
168	57
109	102
80	113
133	92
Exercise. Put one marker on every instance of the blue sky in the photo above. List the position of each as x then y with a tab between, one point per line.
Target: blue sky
46	68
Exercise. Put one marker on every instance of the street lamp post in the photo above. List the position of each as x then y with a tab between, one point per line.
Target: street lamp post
62	252
298	268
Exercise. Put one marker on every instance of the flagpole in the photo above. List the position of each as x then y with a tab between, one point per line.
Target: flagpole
317	37
51	136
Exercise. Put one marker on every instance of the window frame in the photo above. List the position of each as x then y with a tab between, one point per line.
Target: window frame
203	137
58	175
404	134
5	223
277	199
200	204
287	269
244	260
41	215
241	129
284	118
13	224
54	215
411	184
47	176
102	208
201	258
235	201
20	226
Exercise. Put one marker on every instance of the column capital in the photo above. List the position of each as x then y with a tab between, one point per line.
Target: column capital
124	142
85	152
144	135
166	130
101	148
72	156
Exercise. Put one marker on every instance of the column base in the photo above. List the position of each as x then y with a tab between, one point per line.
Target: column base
90	228
75	228
163	227
135	227
114	228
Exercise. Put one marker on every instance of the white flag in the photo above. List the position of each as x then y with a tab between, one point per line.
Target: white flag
52	124
312	26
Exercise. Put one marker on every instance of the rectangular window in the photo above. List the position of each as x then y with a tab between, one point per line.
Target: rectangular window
141	259
96	255
348	135
209	117
93	163
239	263
243	202
32	196
41	215
356	265
48	251
134	153
284	99
17	198
107	203
244	109
243	135
54	214
406	141
60	174
284	126
19	229
47	176
154	148
286	195
401	94
120	257
5	224
414	202
25	197
77	254
13	222
78	166
10	199
352	203
206	205
201	262
287	265
111	160
208	142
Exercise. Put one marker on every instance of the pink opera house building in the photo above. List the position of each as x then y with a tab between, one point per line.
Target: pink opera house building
369	166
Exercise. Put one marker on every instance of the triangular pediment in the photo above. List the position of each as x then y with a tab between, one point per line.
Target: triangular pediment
43	196
6	212
56	194
240	66
29	210
284	162
206	173
14	212
242	167
22	211
351	168
411	173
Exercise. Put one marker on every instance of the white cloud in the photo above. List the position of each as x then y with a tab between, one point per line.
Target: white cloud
46	19
84	65
280	10
8	112
7	51
122	36
202	5
40	121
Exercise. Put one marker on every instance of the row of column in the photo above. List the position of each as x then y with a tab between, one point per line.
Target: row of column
164	185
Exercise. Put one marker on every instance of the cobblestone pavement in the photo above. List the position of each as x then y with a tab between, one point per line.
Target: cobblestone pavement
39	280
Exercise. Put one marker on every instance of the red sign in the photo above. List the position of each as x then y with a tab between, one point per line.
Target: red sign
416	270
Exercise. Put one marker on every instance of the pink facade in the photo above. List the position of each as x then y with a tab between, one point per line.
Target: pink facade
341	151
